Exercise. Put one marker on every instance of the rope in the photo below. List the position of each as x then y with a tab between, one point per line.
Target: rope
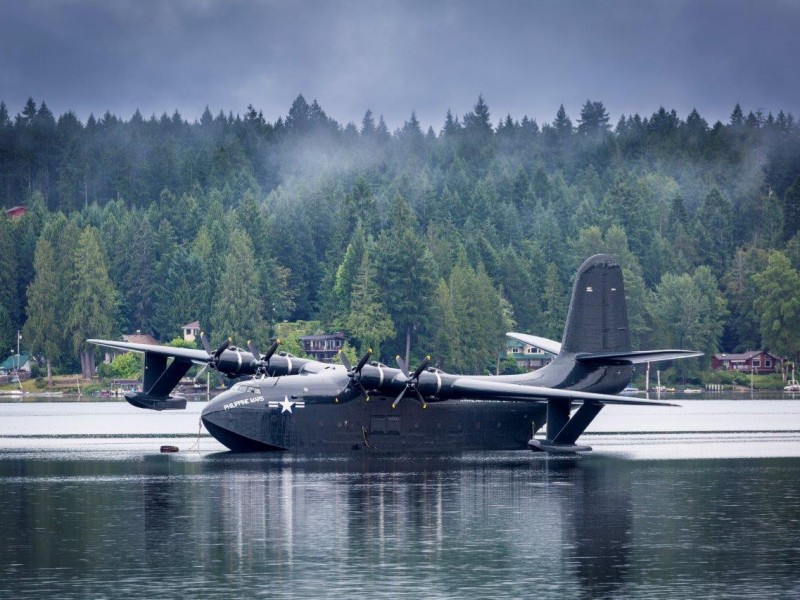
196	445
366	437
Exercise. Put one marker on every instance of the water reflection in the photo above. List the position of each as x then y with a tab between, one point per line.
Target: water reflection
471	525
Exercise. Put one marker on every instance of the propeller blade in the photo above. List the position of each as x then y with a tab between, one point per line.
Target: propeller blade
363	360
403	366
400	397
421	399
421	368
271	350
218	352
253	349
200	372
205	342
345	361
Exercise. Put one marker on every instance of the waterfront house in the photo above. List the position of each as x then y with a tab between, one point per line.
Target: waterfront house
528	357
759	362
323	348
20	361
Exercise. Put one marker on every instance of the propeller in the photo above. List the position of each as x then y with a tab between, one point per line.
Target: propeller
213	355
412	380
263	360
354	373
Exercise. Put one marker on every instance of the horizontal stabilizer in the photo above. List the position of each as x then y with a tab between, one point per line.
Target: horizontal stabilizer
550	346
632	358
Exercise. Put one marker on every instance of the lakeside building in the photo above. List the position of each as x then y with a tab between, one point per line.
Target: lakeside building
759	362
191	331
528	357
325	347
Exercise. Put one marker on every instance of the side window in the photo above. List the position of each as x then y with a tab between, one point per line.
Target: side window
393	425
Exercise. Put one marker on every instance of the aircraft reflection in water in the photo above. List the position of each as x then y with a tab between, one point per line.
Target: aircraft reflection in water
464	524
307	406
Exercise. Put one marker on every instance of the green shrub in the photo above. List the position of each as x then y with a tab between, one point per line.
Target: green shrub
124	366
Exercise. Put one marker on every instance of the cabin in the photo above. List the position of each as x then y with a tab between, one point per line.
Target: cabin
16	212
191	331
140	338
323	348
133	338
528	357
759	362
21	362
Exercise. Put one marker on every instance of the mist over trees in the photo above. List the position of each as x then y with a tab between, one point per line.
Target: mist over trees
444	239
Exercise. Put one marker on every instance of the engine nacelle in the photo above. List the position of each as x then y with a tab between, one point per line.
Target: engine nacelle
235	362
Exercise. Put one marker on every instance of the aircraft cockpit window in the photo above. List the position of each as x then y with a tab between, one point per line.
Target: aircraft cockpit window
246	388
310	368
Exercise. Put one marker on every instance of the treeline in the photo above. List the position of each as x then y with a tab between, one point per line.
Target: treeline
437	240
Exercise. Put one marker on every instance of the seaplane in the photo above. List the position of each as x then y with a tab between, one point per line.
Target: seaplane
284	403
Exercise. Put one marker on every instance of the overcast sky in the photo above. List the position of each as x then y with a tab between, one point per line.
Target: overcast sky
398	56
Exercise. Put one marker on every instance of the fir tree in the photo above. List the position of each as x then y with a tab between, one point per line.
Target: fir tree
94	306
368	321
42	331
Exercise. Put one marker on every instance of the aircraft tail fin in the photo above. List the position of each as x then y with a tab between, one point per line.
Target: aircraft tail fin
597	321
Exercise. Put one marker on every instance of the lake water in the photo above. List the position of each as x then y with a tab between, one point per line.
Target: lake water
698	501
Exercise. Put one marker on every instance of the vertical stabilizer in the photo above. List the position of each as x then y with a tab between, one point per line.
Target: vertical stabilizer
598	315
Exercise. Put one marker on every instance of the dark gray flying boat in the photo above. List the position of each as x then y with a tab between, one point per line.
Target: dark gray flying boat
304	405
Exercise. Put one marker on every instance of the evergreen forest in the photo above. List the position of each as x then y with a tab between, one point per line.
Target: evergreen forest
441	239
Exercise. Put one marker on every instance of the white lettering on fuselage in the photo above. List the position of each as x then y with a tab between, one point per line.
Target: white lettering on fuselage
242	402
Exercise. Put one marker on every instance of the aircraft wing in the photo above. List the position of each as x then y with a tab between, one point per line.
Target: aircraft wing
550	346
494	390
197	356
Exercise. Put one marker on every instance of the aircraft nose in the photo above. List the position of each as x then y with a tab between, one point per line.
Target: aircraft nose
218	403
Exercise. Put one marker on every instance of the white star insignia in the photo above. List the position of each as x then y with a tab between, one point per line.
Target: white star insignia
286	405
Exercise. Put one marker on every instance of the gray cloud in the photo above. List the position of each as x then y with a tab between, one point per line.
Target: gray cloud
399	56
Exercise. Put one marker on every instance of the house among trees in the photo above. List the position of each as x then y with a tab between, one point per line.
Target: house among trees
139	338
759	362
134	338
191	331
9	368
16	212
21	362
323	348
528	357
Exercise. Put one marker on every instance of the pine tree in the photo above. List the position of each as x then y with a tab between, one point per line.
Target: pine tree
368	320
737	116
42	331
777	305
368	125
715	232
451	124
237	311
791	210
9	299
594	119
562	123
478	122
405	275
555	304
94	307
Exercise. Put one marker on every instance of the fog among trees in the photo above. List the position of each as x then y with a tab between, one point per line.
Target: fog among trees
442	239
